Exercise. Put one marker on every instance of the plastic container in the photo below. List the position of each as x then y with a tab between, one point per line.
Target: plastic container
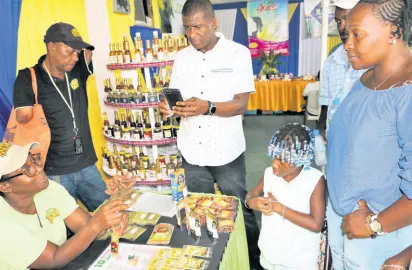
320	149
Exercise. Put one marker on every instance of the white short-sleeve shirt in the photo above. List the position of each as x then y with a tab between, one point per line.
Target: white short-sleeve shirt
216	76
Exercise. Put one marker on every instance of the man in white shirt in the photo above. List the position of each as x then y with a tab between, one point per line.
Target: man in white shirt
215	77
338	76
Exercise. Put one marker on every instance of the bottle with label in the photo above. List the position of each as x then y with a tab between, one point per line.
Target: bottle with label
122	154
124	97
185	42
109	85
111	131
130	168
119	167
171	50
116	119
127	53
167	128
105	156
175	127
112	166
179	162
161	55
139	127
124	122
149	52
147	129
133	125
180	45
126	134
159	175
115	152
137	51
155	47
170	168
106	123
146	161
106	87
152	97
157	131
111	54
141	153
120	55
134	157
117	131
151	173
142	171
320	149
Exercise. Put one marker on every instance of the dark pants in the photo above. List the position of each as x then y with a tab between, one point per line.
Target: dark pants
86	185
231	180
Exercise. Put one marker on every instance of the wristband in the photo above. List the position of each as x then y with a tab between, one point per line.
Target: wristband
247	198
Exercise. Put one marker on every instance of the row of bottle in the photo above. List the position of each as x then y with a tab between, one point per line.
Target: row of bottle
126	128
156	50
126	93
139	165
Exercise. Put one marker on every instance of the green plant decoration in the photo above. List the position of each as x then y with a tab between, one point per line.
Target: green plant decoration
269	63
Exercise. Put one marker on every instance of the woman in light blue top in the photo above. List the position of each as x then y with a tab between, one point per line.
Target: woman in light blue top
370	142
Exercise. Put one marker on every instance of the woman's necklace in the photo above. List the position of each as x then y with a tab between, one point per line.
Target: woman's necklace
390	75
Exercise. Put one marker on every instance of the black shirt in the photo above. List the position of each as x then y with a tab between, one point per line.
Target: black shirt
61	158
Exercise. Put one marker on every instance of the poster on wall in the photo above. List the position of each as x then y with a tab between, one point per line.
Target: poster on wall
121	6
313	18
268	26
171	16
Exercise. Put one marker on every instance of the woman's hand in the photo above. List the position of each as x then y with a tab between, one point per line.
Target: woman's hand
261	204
354	225
109	215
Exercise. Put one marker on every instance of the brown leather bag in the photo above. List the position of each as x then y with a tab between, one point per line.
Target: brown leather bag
36	130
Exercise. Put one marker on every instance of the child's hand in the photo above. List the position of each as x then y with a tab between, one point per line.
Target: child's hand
276	206
261	204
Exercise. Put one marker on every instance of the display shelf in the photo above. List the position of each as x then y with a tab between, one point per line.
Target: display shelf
141	143
132	106
140	65
143	183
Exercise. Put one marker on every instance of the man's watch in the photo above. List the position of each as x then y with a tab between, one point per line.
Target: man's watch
375	225
212	109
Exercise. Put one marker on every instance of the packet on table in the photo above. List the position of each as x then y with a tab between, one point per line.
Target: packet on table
161	235
198	251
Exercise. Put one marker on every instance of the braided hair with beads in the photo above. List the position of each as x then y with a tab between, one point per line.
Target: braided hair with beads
294	144
397	12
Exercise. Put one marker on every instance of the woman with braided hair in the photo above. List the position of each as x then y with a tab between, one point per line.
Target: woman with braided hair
369	174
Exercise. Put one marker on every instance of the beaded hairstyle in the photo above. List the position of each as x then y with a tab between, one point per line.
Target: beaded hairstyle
397	12
293	143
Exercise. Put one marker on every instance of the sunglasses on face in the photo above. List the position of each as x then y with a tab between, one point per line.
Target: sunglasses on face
28	170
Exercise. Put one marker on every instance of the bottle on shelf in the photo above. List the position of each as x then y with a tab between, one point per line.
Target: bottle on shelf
147	129
111	52
105	156
157	131
106	124
142	171
185	42
117	132
139	128
120	56
112	166
155	46
137	51
180	45
141	153
127	54
161	55
149	52
122	154
130	168
167	128
170	167
171	49
151	173
175	127
116	118
133	125
179	162
159	174
134	157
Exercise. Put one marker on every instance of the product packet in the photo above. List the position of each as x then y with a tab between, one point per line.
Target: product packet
194	228
161	235
114	243
133	232
197	251
195	264
211	224
143	218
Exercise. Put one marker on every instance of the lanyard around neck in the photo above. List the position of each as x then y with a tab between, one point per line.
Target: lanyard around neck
70	107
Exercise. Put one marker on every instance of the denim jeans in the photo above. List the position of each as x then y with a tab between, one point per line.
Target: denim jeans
367	253
86	185
231	180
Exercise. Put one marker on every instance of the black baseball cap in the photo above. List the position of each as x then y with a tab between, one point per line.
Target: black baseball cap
68	34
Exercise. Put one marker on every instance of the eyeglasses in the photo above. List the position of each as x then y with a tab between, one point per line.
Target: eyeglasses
28	170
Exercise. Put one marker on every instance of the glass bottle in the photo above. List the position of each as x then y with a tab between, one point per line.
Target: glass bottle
157	131
117	131
120	56
124	122
134	157
139	127
149	52
106	123
175	127
116	118
161	52
155	46
127	54
147	129
112	166
167	128
141	153
142	171
137	51
159	175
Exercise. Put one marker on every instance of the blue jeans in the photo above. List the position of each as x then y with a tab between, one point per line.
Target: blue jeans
367	253
86	185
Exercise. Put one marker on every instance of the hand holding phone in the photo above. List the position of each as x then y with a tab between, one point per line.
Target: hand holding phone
172	96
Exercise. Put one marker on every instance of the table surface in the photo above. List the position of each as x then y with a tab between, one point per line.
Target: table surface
179	239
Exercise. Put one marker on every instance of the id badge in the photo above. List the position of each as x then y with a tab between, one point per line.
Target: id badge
78	146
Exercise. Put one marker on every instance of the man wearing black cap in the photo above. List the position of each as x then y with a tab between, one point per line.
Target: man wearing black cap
61	78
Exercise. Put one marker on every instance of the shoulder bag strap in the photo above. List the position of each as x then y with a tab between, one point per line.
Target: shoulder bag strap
34	83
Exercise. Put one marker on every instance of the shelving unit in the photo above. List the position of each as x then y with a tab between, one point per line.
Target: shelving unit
152	148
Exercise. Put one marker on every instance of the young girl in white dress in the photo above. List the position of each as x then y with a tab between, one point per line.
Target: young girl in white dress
292	204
